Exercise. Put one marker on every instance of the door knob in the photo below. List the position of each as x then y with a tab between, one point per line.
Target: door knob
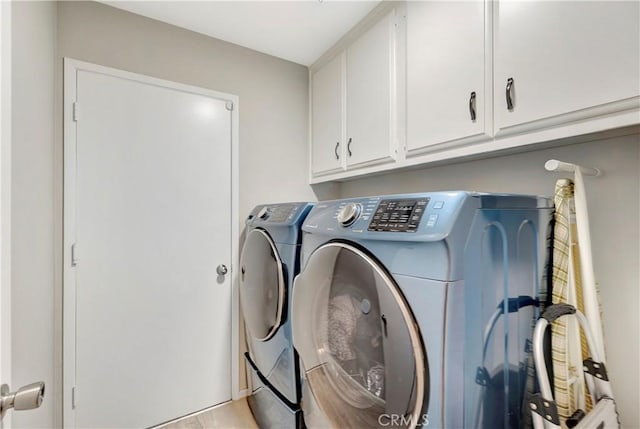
222	270
26	398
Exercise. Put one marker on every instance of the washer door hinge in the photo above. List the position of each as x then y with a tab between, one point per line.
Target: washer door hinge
73	397
74	255
75	111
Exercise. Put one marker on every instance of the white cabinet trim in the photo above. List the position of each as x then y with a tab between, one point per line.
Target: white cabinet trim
625	123
605	110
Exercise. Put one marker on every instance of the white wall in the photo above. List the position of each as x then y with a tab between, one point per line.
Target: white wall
5	197
613	202
33	47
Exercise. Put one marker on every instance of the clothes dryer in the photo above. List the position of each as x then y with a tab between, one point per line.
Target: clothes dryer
418	309
268	263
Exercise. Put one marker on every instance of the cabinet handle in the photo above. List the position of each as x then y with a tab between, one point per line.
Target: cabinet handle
349	147
336	150
508	94
472	105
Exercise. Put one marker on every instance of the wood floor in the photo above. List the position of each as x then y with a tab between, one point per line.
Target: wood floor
232	415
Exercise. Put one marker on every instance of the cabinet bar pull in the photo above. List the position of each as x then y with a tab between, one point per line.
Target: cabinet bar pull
472	105
508	94
349	147
336	150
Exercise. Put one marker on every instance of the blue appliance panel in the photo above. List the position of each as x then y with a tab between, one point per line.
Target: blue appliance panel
272	358
282	221
268	407
505	288
275	358
470	268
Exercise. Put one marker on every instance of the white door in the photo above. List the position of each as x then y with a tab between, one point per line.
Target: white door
564	56
446	94
327	146
147	221
371	77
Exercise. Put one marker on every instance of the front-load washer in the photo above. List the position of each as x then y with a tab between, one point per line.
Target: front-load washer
417	310
268	264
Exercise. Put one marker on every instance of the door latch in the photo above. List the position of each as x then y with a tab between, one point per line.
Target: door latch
26	398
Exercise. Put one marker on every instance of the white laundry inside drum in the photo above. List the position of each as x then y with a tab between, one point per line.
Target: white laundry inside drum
355	356
358	328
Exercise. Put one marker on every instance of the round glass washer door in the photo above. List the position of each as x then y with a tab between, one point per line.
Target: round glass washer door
262	285
360	348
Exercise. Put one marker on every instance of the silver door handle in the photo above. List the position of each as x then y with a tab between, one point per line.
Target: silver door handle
26	398
222	270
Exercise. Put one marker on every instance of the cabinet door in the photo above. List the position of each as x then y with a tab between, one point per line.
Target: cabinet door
564	57
371	131
445	66
327	117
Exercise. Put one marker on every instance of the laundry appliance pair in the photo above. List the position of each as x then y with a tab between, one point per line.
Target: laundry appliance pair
417	310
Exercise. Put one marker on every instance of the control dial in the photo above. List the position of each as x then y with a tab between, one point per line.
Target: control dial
263	213
349	214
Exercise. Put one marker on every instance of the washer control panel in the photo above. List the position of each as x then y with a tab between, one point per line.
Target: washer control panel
281	213
398	215
284	213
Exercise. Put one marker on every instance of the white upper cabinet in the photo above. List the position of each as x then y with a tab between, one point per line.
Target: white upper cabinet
448	80
353	104
448	96
370	98
568	61
326	117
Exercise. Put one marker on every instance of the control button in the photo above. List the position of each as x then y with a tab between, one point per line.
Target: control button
349	214
263	213
431	220
438	204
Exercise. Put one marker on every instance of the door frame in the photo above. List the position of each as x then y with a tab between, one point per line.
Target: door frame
71	69
5	198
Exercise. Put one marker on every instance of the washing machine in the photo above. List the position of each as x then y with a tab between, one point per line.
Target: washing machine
417	310
269	262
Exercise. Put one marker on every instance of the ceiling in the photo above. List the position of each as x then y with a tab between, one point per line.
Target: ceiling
299	31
